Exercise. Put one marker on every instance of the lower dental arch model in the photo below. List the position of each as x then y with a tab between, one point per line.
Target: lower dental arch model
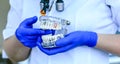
53	23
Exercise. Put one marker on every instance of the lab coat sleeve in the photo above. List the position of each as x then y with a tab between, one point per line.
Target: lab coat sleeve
115	9
13	20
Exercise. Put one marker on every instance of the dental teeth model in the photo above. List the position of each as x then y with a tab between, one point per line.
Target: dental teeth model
53	23
49	40
49	22
50	25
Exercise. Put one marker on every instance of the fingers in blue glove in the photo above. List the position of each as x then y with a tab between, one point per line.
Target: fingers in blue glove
63	41
30	32
78	38
53	51
31	44
28	35
29	21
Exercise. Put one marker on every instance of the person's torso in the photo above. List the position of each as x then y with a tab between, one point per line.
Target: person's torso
87	15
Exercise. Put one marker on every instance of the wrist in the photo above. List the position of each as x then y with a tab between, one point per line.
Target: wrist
92	39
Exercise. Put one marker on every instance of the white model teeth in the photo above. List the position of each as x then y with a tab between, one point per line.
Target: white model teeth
50	22
51	38
50	25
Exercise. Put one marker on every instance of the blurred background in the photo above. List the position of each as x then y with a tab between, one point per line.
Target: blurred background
4	7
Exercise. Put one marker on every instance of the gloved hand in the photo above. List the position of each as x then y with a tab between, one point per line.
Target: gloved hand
72	40
28	35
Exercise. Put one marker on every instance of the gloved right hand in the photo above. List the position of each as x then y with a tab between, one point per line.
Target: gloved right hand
28	35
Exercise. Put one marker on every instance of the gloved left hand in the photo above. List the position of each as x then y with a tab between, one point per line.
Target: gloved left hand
72	40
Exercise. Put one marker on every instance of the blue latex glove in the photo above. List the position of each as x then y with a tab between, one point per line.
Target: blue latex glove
28	35
72	40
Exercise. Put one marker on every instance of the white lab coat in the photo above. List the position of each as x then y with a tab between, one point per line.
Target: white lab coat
85	15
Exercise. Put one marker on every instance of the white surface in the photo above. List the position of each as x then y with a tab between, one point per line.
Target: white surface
24	62
114	59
